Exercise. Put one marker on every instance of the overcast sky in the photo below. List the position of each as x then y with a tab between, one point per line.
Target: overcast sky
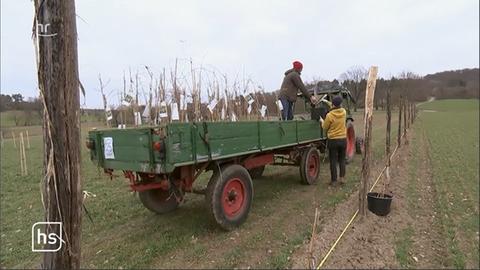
257	38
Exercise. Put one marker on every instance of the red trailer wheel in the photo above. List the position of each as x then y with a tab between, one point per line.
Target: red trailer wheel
158	200
310	166
233	197
351	140
229	196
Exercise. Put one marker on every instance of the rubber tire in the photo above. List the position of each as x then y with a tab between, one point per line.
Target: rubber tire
351	141
257	172
359	145
305	177
214	194
158	200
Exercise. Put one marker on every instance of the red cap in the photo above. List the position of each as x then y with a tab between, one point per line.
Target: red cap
297	65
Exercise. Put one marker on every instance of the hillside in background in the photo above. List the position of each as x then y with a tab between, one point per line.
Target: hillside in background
462	83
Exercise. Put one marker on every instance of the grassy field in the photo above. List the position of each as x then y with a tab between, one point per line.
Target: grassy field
453	137
125	234
8	118
450	130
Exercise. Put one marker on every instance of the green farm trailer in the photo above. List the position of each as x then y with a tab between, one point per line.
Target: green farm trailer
162	162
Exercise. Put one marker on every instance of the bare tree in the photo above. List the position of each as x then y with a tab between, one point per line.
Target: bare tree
352	79
407	82
57	63
104	98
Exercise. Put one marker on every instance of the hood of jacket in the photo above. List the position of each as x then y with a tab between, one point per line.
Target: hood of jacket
338	112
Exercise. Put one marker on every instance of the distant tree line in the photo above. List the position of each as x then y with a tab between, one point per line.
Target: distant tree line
18	102
23	112
457	84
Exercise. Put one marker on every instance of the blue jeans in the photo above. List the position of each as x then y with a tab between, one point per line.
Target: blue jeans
287	112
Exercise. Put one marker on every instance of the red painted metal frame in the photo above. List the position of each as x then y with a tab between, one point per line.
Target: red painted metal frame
135	186
186	175
258	161
183	180
142	187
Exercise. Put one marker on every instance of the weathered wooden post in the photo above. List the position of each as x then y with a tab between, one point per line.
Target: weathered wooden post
20	154
28	139
369	95
405	101
1	137
14	140
407	110
412	110
58	82
23	156
387	143
399	135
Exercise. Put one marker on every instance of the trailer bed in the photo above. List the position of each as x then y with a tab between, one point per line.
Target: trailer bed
193	143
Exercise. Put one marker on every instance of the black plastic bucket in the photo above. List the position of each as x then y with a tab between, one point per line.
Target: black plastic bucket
379	205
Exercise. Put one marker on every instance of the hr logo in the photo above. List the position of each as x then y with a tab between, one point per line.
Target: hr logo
42	30
43	242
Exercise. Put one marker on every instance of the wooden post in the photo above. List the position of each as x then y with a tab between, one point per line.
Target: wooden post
312	239
369	95
58	79
23	156
387	143
412	110
405	101
14	140
409	114
407	111
28	139
25	164
399	135
1	137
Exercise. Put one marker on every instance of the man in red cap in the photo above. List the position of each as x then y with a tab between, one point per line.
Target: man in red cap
288	91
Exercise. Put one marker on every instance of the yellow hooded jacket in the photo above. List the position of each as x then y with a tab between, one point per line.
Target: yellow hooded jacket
334	124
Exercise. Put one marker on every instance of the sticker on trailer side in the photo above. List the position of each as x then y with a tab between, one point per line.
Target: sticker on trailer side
108	148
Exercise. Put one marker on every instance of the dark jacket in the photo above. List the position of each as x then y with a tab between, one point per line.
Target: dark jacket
291	84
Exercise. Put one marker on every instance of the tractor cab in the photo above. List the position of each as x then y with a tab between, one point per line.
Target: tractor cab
325	92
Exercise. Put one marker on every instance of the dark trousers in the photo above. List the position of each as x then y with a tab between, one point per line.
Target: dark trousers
287	112
336	154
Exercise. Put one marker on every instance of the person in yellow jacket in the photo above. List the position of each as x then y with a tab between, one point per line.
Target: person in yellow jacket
334	124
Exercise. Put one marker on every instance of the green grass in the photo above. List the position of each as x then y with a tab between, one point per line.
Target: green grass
403	245
453	138
125	234
14	118
413	167
404	239
452	105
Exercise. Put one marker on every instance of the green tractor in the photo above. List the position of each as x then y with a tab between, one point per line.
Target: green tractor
325	93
